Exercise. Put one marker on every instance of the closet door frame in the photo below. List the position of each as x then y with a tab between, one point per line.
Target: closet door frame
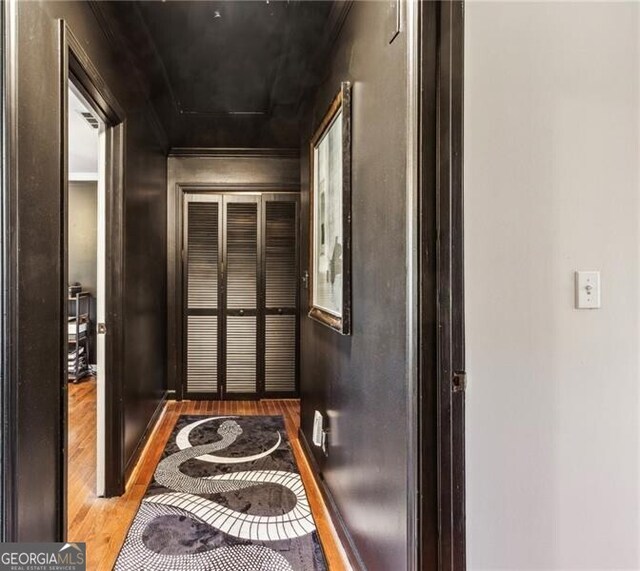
263	192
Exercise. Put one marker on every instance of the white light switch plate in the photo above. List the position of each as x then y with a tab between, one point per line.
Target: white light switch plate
587	290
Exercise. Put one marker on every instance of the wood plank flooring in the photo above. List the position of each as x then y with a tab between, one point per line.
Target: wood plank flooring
103	523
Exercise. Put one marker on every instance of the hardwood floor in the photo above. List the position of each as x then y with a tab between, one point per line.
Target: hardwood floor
103	523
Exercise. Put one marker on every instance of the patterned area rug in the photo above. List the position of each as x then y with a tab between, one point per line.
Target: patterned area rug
226	496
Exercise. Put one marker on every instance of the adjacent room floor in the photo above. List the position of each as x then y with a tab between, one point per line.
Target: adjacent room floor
103	523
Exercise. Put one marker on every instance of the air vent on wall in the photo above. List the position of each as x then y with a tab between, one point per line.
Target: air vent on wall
89	118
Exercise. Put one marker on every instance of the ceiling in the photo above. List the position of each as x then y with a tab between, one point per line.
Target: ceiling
229	73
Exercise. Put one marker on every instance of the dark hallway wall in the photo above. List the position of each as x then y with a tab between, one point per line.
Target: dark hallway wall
145	372
358	382
38	225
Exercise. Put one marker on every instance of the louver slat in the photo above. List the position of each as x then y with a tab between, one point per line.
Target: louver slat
202	256
242	255
280	353
281	278
241	354
202	353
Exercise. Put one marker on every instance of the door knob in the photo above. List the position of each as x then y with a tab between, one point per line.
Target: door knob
280	311
241	312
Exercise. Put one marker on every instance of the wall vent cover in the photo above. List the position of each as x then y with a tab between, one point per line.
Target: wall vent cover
89	118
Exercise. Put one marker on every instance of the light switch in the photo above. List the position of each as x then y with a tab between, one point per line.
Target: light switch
587	290
318	429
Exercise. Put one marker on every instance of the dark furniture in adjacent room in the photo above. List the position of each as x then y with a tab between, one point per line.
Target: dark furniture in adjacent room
79	331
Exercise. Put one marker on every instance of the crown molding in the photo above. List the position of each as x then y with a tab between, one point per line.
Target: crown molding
337	17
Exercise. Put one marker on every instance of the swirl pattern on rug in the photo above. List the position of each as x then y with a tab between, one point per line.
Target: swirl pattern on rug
226	495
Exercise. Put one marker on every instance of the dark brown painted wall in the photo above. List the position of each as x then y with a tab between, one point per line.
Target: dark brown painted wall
145	375
359	381
40	295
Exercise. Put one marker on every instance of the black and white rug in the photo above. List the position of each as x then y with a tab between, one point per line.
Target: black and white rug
226	496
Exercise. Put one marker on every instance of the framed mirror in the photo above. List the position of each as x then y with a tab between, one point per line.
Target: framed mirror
330	224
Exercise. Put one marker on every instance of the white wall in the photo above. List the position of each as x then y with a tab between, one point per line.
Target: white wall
83	234
552	185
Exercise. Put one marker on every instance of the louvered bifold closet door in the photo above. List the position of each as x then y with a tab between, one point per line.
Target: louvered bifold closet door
280	223
242	275
202	240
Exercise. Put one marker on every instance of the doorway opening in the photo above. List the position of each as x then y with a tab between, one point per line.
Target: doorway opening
85	303
92	227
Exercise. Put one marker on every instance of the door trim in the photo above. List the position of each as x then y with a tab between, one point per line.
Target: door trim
9	279
76	66
439	540
450	253
412	332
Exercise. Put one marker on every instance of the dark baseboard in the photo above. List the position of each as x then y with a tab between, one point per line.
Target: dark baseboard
131	463
172	394
343	533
